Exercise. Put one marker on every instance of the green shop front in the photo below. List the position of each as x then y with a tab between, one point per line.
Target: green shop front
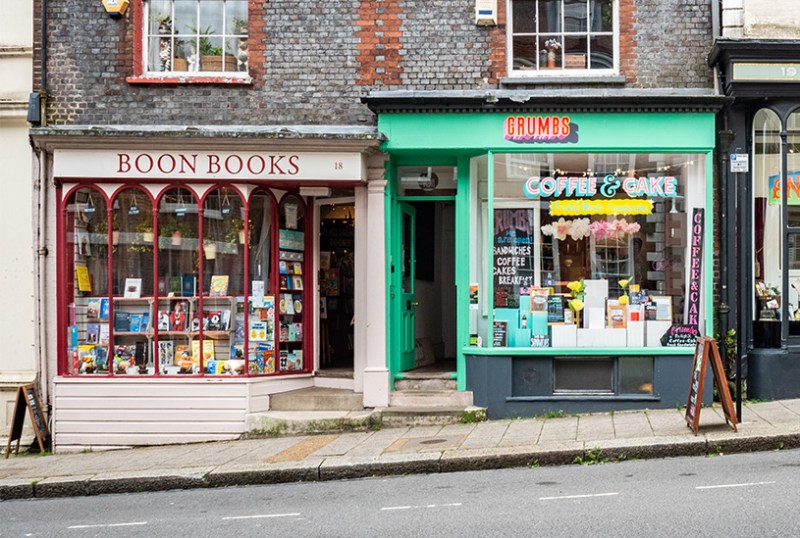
559	254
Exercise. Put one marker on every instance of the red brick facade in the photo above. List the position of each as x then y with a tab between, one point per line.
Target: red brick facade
379	34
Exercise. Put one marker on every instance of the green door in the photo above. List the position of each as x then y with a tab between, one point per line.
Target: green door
406	303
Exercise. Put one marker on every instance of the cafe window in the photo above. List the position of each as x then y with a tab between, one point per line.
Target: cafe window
182	285
593	250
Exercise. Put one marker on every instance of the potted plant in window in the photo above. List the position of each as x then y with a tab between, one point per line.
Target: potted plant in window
171	232
210	54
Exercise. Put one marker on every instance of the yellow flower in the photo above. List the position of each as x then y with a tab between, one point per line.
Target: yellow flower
623	300
574	285
576	305
623	283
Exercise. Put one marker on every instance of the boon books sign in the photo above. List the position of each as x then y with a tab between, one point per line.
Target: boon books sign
192	165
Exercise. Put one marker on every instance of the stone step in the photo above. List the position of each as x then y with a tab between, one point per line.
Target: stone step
277	423
425	383
397	417
317	399
430	398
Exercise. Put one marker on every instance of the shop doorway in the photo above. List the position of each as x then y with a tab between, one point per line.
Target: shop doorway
336	257
425	307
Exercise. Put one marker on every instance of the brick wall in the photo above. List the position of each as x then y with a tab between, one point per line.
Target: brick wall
673	38
318	56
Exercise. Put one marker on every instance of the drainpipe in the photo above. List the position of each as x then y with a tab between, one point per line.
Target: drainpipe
40	217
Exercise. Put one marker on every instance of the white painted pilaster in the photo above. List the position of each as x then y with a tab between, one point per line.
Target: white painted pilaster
376	373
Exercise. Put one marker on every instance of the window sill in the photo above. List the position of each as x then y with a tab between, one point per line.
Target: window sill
548	78
193	79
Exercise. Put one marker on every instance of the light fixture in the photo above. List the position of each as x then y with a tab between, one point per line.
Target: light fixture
318	192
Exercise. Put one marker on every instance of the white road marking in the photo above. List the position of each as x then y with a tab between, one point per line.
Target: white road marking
418	507
736	485
578	496
108	525
261	516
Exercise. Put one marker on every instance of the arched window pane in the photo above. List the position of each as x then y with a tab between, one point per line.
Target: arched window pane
86	284
178	258
261	315
767	226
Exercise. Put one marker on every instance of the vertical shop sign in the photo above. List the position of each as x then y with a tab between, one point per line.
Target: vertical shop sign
695	268
513	255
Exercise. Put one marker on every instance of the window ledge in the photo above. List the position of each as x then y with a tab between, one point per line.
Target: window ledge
571	79
193	79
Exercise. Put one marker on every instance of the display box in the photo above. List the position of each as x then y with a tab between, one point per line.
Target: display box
635	333
654	330
595	297
575	61
595	318
564	335
602	337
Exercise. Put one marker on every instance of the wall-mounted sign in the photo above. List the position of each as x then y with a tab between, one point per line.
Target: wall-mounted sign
740	162
552	129
607	186
187	165
563	208
792	195
695	268
765	72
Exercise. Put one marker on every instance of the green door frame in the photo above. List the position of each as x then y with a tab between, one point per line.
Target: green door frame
394	236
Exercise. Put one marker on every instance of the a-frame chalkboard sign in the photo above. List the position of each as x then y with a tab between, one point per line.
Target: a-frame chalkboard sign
27	398
707	347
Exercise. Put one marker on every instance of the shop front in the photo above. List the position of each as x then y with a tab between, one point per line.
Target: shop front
761	174
582	249
196	278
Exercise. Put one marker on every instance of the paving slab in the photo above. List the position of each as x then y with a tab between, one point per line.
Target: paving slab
559	429
592	427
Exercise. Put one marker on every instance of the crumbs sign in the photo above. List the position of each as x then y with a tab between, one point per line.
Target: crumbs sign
540	129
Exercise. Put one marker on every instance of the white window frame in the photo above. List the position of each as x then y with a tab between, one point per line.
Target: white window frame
226	34
561	72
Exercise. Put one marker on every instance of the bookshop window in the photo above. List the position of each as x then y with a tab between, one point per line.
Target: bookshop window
261	304
191	37
86	259
292	271
590	250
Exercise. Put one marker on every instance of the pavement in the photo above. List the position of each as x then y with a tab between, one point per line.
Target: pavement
589	438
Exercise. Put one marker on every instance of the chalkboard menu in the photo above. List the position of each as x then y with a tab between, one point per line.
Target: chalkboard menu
555	308
707	347
500	334
27	398
513	255
680	336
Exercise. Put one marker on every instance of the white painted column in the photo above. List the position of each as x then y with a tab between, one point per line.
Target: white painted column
360	291
376	373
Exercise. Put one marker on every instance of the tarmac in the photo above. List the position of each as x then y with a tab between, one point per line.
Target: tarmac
560	440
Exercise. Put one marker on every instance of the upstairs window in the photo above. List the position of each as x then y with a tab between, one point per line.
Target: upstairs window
563	37
195	37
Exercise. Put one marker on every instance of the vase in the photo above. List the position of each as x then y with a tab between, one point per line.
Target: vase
177	238
551	59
